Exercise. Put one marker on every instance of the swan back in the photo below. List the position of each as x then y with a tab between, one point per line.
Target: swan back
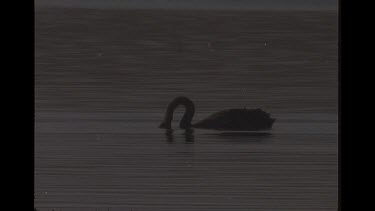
237	119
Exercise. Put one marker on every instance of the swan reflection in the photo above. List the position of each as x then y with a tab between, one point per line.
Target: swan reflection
188	135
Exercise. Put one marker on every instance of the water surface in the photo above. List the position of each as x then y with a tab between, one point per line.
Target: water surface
104	78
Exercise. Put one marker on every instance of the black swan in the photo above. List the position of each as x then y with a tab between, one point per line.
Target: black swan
229	120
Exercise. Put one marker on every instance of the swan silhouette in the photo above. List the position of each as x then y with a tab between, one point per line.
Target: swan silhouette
229	120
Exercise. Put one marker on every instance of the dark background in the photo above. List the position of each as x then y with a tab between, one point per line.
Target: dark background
194	4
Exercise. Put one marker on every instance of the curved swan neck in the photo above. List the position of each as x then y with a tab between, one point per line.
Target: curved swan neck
186	119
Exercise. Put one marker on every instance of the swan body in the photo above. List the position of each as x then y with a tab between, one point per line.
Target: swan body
228	120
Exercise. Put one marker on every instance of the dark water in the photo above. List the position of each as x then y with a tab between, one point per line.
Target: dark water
104	78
